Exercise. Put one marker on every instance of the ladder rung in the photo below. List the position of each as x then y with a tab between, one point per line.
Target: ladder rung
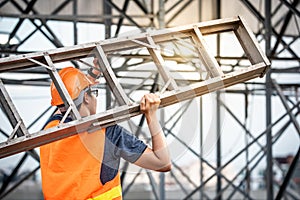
61	88
111	78
161	66
211	63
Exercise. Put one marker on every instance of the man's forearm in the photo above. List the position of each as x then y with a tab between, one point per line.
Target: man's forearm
159	144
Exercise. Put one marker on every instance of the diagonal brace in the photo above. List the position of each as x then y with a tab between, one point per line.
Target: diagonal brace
284	102
12	113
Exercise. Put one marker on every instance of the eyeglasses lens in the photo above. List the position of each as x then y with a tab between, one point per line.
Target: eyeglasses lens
94	92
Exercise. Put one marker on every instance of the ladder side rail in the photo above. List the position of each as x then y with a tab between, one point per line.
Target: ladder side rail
111	78
117	44
12	114
212	85
61	88
169	34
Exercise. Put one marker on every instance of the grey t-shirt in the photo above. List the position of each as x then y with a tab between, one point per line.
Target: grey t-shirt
119	143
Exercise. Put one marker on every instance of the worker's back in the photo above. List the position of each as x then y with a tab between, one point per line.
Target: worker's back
71	167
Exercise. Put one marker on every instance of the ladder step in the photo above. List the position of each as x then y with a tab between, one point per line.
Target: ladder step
111	78
211	63
61	88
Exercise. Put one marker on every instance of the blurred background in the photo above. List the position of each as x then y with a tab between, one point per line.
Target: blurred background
241	142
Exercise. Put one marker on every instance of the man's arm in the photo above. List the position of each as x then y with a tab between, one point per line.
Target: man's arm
158	157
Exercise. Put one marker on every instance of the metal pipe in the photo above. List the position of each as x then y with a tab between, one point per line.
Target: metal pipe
269	170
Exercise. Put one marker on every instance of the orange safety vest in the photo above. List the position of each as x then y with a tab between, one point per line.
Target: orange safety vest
71	168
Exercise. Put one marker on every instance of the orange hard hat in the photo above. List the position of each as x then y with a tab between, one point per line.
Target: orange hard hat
75	81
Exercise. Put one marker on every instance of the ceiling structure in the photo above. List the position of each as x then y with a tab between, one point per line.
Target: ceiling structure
276	25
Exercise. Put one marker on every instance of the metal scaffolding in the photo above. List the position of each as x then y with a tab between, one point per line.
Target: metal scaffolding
274	24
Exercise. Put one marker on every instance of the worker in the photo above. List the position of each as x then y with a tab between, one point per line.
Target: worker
86	165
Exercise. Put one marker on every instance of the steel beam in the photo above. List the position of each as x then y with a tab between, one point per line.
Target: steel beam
18	25
291	7
288	176
286	106
263	20
121	19
7	180
19	128
19	182
129	18
284	27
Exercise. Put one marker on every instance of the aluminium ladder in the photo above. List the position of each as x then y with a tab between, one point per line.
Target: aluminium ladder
21	140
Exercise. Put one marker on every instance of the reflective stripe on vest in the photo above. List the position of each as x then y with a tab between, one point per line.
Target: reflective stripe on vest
110	194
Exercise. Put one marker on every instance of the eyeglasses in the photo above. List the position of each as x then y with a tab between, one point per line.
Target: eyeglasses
93	91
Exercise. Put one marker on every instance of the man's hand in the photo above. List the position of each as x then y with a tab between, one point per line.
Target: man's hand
96	64
149	104
94	72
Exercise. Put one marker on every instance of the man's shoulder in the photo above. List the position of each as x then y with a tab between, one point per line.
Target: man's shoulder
113	131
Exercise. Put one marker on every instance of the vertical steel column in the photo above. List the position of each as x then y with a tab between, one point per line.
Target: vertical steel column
107	23
218	151
152	19
75	9
247	169
201	148
218	106
162	189
161	16
269	170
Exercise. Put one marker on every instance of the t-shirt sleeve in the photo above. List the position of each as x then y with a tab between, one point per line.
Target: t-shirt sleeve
127	146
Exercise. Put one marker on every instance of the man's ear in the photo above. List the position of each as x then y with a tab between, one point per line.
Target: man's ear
86	98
